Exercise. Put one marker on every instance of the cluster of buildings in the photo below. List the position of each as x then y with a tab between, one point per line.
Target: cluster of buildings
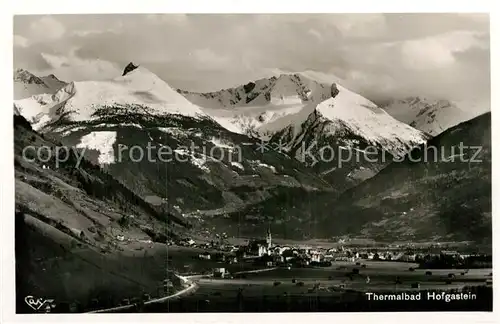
265	252
270	254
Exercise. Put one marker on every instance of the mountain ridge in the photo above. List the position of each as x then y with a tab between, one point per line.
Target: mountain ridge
26	84
431	116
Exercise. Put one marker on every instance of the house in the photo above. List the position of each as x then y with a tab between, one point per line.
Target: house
205	256
219	272
262	250
449	253
259	247
363	255
232	260
408	257
329	256
278	259
316	257
219	257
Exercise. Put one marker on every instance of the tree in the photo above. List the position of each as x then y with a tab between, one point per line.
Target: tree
124	221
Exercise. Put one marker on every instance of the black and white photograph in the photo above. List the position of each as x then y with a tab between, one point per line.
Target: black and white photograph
252	163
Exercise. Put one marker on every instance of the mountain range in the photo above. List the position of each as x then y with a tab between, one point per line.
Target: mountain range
269	152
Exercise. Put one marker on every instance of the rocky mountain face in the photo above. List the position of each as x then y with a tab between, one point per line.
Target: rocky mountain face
26	84
53	82
129	68
428	115
283	89
263	107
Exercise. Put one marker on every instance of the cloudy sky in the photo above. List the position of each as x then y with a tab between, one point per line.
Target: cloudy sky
378	55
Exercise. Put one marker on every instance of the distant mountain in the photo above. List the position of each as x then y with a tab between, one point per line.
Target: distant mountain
262	107
27	84
428	115
53	82
308	111
266	106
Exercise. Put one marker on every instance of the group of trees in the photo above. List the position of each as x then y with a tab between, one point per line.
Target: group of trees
445	261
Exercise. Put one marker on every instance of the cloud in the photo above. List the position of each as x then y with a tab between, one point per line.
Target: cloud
46	28
20	41
207	58
177	19
360	25
437	51
73	68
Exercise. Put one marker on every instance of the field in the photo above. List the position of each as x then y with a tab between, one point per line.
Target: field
330	289
382	276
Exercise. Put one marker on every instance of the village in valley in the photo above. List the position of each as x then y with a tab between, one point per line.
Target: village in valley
265	252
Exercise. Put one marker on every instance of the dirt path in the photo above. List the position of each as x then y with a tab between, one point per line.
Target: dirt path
191	288
255	271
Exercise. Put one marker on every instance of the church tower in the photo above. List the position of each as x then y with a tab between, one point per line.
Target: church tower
268	238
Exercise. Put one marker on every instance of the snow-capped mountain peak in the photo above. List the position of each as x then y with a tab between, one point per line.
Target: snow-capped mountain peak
285	102
27	84
263	107
78	101
367	120
428	115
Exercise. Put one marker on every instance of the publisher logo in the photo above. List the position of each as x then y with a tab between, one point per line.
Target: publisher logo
39	304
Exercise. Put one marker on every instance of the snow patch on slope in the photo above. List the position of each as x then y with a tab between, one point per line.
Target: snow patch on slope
260	121
258	163
196	161
174	131
222	144
101	142
238	165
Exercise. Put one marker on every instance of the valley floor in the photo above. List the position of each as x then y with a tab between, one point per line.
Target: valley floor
327	289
